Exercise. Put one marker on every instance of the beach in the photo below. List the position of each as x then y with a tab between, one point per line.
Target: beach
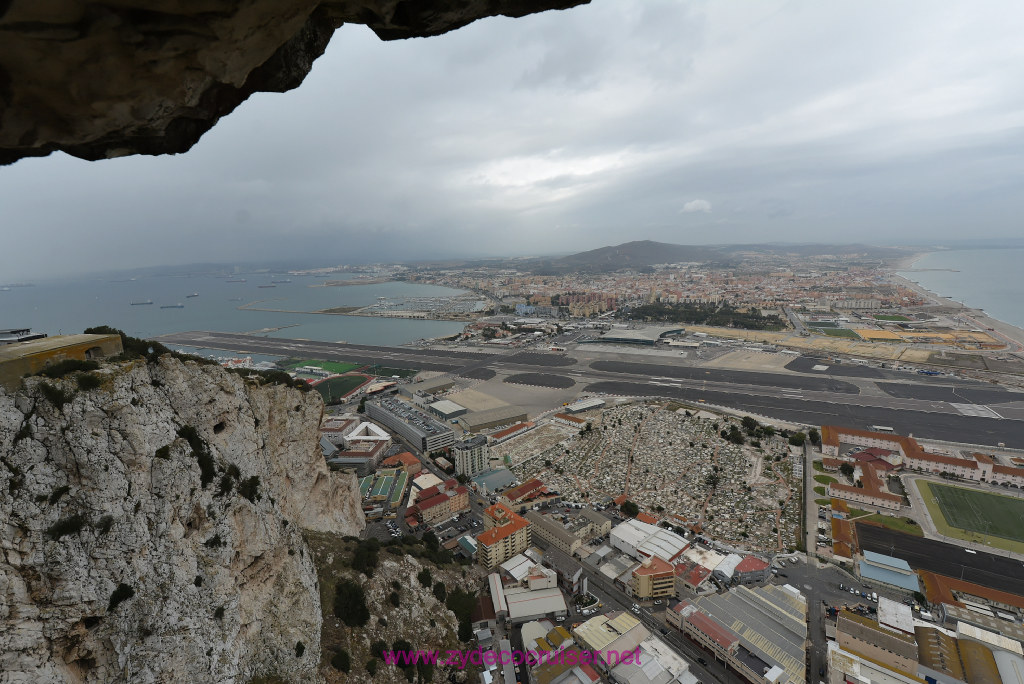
1012	335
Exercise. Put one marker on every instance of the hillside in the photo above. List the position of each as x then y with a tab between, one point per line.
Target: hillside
155	515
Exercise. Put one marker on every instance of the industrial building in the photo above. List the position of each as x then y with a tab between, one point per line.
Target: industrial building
760	632
895	572
494	480
19	359
585	405
478	421
382	493
471	456
446	409
640	540
416	427
432	386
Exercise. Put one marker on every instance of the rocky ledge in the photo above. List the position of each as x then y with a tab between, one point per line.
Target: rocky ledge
106	79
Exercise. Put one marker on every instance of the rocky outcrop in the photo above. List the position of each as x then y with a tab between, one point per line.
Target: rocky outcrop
151	528
105	79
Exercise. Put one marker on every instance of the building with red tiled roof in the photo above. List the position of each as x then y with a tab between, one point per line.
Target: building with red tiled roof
689	576
571	421
510	432
646	518
872	492
505	534
703	629
914	457
751	570
405	460
939	589
528	494
832	464
439	502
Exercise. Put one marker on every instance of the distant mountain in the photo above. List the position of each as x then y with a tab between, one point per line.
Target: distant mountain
638	254
646	253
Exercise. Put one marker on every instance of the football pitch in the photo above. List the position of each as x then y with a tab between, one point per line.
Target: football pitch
980	514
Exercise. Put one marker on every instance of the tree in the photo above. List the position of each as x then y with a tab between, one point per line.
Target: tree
797	439
341	661
629	508
430	540
440	591
425	578
750	424
814	436
846	469
350	603
362	406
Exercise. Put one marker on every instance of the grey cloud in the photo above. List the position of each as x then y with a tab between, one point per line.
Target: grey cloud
561	130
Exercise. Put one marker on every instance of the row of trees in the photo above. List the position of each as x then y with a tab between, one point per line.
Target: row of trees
723	315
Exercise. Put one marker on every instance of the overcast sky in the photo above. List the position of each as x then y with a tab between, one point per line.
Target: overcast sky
686	122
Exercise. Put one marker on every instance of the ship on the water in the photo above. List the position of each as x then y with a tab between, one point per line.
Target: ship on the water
194	294
266	286
141	302
179	305
286	280
235	280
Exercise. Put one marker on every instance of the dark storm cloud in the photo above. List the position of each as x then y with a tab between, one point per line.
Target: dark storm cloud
685	122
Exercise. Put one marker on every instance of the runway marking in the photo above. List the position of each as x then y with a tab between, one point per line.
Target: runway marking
976	410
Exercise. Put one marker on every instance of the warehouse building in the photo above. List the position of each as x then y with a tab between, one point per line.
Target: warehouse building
760	632
478	421
432	386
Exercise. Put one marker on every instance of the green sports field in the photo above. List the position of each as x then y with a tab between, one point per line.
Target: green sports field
976	515
334	389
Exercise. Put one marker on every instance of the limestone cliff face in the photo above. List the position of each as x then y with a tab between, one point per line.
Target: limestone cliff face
150	529
105	79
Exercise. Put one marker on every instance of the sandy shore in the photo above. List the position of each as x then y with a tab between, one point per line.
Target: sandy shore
1010	334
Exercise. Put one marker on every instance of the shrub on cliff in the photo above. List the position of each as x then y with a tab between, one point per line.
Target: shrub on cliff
65	526
350	603
121	594
63	368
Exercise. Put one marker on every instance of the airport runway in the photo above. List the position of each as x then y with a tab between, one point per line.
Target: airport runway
986	569
813	400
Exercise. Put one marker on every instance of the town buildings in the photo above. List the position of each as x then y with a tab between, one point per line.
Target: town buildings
505	534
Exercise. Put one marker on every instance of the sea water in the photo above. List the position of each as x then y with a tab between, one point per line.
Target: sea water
989	279
69	306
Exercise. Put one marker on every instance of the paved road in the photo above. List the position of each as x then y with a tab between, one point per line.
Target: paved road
786	396
936	421
951	393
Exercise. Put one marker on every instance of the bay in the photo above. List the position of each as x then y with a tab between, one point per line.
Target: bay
69	306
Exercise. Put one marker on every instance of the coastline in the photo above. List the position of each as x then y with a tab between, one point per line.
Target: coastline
1012	335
